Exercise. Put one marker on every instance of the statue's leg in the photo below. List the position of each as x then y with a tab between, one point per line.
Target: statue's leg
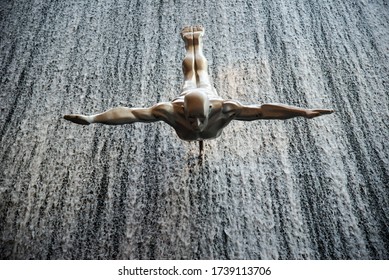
188	64
201	63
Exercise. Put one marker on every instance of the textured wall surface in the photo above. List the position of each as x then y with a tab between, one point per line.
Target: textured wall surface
295	189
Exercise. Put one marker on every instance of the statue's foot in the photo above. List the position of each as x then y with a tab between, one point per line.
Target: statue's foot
79	119
187	32
317	112
198	30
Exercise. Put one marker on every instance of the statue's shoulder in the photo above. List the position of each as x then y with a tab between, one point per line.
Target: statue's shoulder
216	102
163	106
163	109
179	99
230	105
167	111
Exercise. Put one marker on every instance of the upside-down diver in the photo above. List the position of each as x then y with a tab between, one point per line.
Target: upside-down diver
198	113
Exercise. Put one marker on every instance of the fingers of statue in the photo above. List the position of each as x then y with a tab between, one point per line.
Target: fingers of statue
79	119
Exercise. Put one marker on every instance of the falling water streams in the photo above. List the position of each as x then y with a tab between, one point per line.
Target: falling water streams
294	189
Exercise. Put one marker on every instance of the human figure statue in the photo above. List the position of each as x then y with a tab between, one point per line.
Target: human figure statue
198	113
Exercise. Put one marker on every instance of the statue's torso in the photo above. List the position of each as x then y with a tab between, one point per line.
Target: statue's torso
217	120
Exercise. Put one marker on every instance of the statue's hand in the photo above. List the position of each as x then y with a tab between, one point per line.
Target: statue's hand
318	112
79	119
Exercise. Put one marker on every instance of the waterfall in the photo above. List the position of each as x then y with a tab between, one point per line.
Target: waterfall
272	189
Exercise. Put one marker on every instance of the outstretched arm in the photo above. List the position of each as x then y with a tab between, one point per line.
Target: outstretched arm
271	111
123	115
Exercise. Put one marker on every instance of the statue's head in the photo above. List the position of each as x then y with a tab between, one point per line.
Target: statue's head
196	107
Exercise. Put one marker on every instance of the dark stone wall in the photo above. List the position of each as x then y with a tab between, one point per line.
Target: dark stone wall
295	189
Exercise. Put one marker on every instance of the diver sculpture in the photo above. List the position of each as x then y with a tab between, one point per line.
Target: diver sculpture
198	113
